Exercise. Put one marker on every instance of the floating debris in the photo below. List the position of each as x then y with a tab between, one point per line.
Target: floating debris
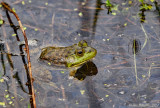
30	42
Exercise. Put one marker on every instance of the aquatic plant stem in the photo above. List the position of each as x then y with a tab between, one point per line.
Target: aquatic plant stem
135	65
146	36
31	88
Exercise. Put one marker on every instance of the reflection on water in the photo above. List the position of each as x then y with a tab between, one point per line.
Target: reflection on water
17	77
2	57
157	7
87	69
134	46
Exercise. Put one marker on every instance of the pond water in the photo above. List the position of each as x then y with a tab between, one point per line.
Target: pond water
123	74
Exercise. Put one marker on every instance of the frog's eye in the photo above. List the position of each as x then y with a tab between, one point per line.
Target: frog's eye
80	52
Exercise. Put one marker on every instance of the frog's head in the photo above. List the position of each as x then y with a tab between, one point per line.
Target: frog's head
82	53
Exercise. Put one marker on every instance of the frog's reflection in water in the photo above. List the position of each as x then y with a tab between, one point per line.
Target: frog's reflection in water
87	69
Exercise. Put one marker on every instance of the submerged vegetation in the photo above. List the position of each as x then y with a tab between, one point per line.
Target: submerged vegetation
143	7
109	6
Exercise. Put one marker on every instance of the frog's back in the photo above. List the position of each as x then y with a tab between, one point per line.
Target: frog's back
55	55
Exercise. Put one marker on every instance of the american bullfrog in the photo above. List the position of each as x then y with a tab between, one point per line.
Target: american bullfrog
71	56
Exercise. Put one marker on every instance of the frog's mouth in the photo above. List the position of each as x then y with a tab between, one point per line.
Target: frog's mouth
77	61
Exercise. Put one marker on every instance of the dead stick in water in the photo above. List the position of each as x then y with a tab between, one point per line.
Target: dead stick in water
31	88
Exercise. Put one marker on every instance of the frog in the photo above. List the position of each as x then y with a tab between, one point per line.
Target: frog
70	56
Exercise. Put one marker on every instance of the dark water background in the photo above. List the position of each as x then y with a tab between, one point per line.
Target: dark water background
65	22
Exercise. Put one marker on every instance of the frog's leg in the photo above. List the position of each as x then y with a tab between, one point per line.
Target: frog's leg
73	71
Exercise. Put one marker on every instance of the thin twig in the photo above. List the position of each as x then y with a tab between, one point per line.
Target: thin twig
33	102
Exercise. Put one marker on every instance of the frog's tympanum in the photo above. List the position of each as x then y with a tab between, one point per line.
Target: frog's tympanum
70	56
